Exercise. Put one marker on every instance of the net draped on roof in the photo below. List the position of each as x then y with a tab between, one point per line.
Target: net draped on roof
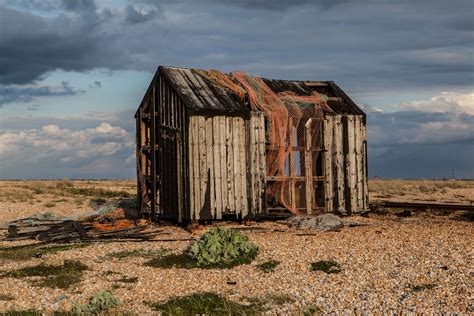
286	115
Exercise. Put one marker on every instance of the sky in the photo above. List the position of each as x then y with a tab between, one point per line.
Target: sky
73	72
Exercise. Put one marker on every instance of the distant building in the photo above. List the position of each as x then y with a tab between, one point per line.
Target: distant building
231	146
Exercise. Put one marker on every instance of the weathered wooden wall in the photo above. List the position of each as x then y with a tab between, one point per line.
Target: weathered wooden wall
345	163
160	152
226	166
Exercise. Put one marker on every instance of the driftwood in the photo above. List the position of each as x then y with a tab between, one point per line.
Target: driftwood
74	231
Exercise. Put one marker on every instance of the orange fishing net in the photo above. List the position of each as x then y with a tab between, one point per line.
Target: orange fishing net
289	118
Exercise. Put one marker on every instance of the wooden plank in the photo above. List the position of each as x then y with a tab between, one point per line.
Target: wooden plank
352	162
243	168
236	150
153	154
262	163
327	156
365	173
230	165
258	157
308	165
202	162
223	163
179	176
338	159
197	184
217	167
359	159
191	145
210	166
251	163
291	162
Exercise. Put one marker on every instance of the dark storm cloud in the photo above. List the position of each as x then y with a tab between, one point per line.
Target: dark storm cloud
363	44
32	46
413	144
11	94
78	5
132	15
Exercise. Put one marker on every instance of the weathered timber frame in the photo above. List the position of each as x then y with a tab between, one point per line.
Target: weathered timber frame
201	154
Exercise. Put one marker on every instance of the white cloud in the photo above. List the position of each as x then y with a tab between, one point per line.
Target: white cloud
446	102
54	144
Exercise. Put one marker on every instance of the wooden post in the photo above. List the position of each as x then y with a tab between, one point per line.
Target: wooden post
291	162
179	176
153	154
308	163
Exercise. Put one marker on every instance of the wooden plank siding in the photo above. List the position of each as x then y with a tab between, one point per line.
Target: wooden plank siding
201	152
227	155
344	160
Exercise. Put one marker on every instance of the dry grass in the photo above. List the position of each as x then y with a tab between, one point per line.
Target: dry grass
66	198
441	191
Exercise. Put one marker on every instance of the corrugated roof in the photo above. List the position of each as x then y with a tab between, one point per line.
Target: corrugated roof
203	95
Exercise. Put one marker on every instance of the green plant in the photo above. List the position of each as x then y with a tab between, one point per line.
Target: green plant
330	266
99	303
268	266
203	304
53	276
220	245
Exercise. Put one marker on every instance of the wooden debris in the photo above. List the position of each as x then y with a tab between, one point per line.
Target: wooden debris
74	231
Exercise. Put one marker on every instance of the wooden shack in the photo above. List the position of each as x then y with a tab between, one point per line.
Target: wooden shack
207	148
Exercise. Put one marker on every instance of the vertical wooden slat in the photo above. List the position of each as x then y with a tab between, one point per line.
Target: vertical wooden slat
328	182
217	166
252	163
192	158
291	162
243	168
230	164
364	152
359	189
338	158
236	171
197	172
223	163
179	176
202	162
262	164
351	162
153	154
308	164
210	166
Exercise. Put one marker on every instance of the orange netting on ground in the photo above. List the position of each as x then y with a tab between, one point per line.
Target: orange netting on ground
289	118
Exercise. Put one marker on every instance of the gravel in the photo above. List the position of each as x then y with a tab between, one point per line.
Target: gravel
382	263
